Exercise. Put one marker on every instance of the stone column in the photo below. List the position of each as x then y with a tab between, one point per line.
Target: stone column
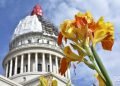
21	67
15	69
6	69
56	62
11	63
29	62
66	74
36	61
43	62
68	71
50	62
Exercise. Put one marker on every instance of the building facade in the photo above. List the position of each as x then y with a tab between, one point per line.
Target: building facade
33	51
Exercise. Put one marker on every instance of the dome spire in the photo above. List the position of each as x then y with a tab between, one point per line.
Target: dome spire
37	10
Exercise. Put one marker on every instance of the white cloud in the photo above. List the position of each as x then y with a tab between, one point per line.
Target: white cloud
59	10
65	13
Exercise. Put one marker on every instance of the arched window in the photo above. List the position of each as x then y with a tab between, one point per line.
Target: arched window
47	42
29	41
39	40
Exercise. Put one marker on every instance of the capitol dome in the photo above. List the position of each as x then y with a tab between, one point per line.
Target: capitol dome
29	24
34	52
34	23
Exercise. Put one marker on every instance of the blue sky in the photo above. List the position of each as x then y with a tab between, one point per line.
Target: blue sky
12	11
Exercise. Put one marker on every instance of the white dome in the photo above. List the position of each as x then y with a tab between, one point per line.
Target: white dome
28	24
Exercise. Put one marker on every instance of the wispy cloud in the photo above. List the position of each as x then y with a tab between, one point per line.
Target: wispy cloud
59	10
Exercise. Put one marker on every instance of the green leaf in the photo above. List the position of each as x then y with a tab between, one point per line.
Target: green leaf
90	65
80	50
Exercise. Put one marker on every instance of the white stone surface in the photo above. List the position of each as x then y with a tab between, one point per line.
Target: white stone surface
7	82
28	24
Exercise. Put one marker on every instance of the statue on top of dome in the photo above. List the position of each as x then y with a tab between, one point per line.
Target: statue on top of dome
37	10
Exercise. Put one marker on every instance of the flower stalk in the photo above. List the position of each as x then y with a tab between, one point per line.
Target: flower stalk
102	68
91	57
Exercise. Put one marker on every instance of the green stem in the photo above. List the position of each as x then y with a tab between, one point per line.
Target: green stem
94	67
87	48
91	56
98	71
102	68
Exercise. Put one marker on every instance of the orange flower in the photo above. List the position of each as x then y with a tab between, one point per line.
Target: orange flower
60	37
80	21
107	43
59	40
63	65
83	19
70	56
92	25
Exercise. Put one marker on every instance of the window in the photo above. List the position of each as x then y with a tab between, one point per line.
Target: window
47	42
8	69
38	40
48	68
13	66
39	67
29	41
18	70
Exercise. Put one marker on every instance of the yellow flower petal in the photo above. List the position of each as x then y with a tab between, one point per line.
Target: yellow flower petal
54	83
70	55
67	29
43	81
104	33
100	80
